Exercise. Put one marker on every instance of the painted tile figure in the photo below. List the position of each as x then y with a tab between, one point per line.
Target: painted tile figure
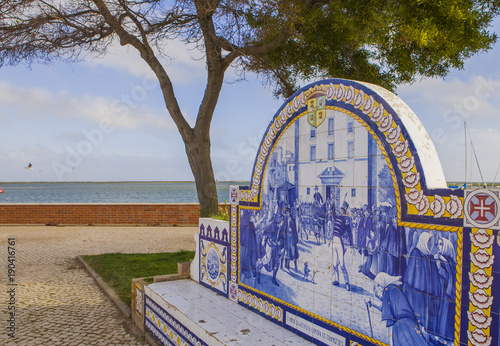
446	264
249	248
403	325
291	252
421	284
325	238
341	233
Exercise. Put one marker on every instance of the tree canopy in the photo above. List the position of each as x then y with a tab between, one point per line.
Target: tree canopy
287	42
382	42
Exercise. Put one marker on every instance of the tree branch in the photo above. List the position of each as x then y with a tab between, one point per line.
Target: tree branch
148	56
216	67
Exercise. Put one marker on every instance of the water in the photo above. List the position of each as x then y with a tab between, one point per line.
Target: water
109	192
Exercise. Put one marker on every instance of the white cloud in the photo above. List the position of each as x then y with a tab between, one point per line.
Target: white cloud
452	155
183	63
486	144
37	102
444	105
128	166
474	97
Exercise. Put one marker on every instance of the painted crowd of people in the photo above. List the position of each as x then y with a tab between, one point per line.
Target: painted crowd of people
270	240
413	271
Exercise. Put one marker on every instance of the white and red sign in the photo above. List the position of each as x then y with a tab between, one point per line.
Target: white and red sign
482	208
233	194
233	291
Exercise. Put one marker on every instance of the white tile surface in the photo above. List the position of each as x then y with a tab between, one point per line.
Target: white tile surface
227	322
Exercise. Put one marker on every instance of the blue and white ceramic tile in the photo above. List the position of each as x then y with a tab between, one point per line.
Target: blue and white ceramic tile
348	221
214	255
167	329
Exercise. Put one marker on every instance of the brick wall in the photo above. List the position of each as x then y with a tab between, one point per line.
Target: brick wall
100	214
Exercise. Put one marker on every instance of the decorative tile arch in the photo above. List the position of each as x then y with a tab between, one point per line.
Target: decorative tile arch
424	205
396	130
419	267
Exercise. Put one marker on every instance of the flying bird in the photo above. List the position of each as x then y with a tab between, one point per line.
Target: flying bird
30	166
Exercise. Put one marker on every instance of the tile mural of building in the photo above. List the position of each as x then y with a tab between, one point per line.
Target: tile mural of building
348	233
349	230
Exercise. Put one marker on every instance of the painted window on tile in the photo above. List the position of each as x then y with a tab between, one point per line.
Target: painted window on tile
330	127
350	125
330	151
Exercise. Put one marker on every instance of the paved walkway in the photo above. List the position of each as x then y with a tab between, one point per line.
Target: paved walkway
56	300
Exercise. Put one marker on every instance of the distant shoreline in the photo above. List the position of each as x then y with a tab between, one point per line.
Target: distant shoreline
119	182
108	192
236	182
473	184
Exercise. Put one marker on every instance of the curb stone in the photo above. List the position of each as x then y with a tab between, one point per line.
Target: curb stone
126	311
106	288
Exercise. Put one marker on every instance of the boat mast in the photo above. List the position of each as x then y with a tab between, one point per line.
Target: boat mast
465	141
477	161
495	179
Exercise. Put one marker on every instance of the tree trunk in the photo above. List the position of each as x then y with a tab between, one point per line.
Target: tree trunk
197	139
198	153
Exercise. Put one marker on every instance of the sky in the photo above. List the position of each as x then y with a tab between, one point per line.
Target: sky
105	119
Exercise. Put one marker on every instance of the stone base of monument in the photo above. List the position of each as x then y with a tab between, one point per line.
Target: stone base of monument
183	312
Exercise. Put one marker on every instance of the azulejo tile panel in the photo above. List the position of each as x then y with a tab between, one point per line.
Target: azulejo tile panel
214	254
480	288
233	283
167	329
348	233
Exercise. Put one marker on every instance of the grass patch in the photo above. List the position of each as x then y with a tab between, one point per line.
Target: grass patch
118	269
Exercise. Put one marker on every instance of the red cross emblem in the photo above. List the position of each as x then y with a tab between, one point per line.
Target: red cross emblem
234	195
233	291
482	208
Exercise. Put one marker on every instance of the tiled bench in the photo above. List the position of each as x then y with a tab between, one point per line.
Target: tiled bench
183	312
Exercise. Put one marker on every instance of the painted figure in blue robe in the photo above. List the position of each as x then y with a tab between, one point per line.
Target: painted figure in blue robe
271	246
319	216
447	273
371	265
365	225
364	230
383	222
402	323
296	213
317	198
393	246
356	216
422	284
291	251
248	245
299	220
342	233
329	219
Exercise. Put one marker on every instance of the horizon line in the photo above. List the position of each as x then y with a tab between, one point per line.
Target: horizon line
118	182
